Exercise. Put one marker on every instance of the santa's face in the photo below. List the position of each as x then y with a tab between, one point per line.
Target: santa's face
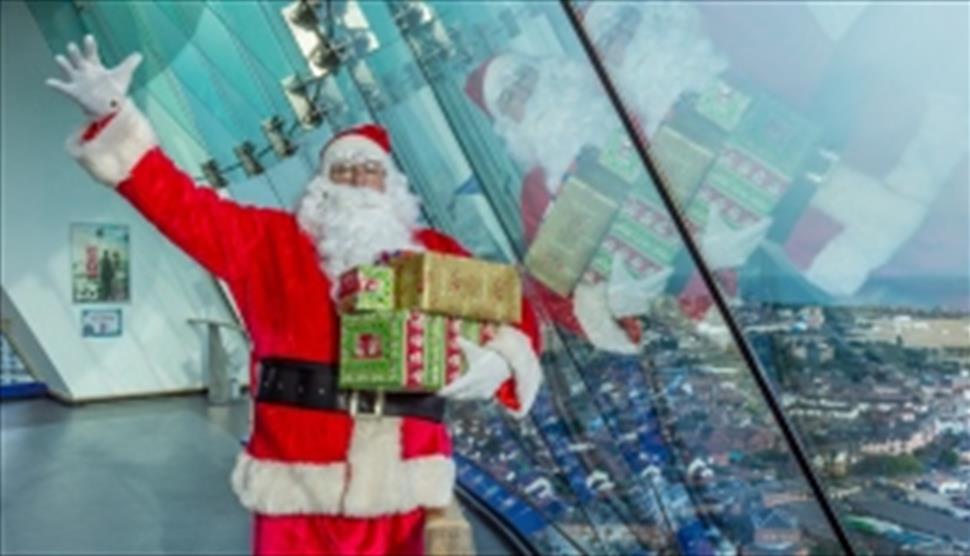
547	111
515	96
369	174
612	44
354	214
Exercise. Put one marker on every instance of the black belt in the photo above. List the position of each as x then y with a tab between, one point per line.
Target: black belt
314	386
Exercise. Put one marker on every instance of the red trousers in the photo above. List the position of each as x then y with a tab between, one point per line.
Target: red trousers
299	535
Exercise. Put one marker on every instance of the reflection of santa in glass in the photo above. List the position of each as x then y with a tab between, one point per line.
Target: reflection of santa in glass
320	477
548	109
890	88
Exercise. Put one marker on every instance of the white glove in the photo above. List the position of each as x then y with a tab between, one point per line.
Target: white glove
725	247
98	90
627	296
487	370
593	313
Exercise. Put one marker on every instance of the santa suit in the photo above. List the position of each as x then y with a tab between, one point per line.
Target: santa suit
319	482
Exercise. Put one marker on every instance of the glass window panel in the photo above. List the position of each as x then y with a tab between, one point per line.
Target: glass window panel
820	153
263	35
657	493
671	484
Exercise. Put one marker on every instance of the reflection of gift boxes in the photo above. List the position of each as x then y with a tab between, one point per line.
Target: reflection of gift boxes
682	160
569	235
366	288
620	157
769	148
685	145
776	136
458	287
724	104
642	235
404	351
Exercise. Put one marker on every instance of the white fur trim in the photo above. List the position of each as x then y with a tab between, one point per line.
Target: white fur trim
280	488
432	479
382	483
591	309
861	204
112	154
499	74
932	154
374	481
352	144
512	344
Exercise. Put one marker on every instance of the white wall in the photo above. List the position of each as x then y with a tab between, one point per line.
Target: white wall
42	192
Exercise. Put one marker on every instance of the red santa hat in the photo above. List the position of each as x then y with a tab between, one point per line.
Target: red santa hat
490	78
369	141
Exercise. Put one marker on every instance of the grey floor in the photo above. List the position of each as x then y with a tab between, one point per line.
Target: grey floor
135	477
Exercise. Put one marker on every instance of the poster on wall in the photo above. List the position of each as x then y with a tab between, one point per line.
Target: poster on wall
101	323
99	263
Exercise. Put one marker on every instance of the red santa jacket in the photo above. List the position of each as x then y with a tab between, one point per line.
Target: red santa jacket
298	461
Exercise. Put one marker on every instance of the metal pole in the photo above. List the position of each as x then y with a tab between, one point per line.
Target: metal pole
747	353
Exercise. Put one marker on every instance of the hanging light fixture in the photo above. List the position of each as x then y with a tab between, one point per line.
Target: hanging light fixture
273	129
303	14
213	175
317	47
246	153
307	112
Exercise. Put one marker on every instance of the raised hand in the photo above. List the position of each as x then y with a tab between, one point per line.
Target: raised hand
98	90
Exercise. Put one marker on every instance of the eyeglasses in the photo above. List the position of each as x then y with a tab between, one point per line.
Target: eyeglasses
520	88
348	169
622	31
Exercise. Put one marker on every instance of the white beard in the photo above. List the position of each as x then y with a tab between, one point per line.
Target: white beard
352	226
567	110
668	55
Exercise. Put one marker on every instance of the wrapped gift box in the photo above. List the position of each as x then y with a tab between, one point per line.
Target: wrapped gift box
404	351
683	161
769	147
366	288
569	235
620	157
458	286
776	137
642	235
723	103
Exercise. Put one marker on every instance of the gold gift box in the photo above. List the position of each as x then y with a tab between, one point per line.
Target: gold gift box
569	235
458	287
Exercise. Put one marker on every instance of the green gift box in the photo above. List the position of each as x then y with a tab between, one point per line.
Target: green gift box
767	149
404	351
569	235
620	157
724	104
366	288
642	235
776	136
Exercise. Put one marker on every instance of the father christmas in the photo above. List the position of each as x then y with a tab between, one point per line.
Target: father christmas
320	475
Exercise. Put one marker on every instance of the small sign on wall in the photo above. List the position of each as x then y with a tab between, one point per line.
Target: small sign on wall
99	263
100	323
